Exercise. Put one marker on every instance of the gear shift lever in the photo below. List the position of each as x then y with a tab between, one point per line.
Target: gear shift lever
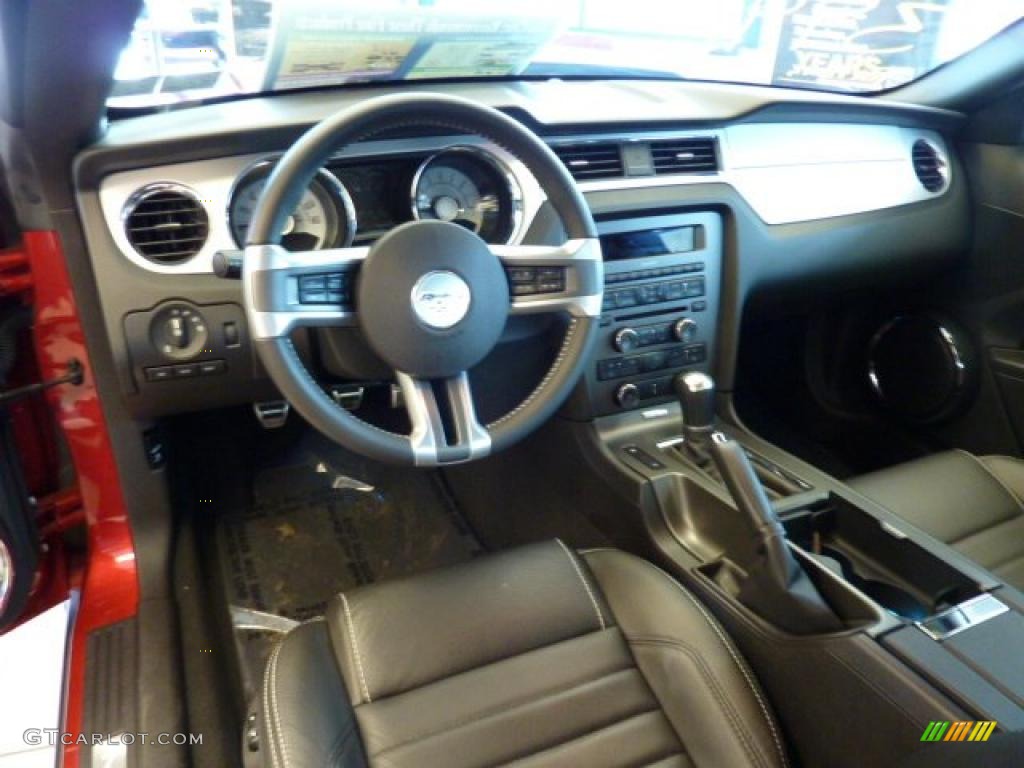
765	576
696	393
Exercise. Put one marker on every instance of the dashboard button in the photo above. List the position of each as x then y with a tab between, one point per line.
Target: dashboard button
212	367
186	371
159	373
627	298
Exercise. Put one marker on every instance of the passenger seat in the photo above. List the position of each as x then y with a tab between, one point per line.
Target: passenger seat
974	504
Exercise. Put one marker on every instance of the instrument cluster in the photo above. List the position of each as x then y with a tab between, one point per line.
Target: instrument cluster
357	201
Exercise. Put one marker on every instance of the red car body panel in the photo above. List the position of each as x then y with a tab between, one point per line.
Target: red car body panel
108	579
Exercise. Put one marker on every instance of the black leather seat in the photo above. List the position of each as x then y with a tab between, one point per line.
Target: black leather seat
535	656
974	504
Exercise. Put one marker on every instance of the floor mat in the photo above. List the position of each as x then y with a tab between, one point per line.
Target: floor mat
325	521
315	520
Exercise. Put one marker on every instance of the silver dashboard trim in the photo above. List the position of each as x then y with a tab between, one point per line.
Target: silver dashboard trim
212	181
787	172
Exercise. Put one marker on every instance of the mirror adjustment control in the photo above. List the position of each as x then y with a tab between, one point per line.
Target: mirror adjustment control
626	339
685	330
627	396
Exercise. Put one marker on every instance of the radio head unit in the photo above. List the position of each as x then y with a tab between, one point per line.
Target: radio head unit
662	282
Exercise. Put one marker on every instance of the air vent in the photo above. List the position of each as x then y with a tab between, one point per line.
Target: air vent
165	223
929	165
685	156
595	160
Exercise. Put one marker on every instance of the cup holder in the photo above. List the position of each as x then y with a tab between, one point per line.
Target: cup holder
894	571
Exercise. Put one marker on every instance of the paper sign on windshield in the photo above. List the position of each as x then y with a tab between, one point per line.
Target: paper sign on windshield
316	44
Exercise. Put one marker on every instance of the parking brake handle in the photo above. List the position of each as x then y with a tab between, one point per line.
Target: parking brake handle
767	578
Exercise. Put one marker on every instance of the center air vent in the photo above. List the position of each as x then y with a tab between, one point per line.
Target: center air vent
695	155
592	160
165	223
929	165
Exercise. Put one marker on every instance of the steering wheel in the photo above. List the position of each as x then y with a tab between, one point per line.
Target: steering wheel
431	297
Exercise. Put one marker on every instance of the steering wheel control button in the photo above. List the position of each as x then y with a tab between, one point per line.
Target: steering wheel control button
179	332
433	299
441	299
528	281
333	288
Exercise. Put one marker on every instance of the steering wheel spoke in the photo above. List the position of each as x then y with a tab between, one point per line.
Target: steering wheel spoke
431	444
291	289
566	278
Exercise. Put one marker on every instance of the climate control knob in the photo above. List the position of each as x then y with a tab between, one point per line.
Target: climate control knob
626	340
685	329
627	396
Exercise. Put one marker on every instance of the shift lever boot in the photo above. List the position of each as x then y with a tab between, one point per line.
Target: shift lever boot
769	580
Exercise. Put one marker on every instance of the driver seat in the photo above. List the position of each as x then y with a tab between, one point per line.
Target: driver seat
537	656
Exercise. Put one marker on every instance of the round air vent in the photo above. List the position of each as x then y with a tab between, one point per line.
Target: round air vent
165	223
922	367
929	165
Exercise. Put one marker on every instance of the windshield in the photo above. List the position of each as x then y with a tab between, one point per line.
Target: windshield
187	50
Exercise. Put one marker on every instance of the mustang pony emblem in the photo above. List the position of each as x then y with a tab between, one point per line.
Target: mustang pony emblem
440	299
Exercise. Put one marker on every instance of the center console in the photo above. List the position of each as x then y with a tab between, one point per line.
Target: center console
847	613
659	317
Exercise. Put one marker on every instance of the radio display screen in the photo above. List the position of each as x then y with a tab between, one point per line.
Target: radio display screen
648	242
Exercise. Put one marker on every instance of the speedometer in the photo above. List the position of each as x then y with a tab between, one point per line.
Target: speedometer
471	188
324	217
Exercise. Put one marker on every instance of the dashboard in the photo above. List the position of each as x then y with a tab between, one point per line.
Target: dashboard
727	185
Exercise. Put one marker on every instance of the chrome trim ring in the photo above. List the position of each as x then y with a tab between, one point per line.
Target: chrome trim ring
6	576
325	177
512	187
148	190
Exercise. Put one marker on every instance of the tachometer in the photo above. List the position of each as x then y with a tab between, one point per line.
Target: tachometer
471	188
324	217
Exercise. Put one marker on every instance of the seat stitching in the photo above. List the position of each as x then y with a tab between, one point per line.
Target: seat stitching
586	586
988	470
270	699
733	653
270	702
503	710
735	719
579	737
355	648
517	655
